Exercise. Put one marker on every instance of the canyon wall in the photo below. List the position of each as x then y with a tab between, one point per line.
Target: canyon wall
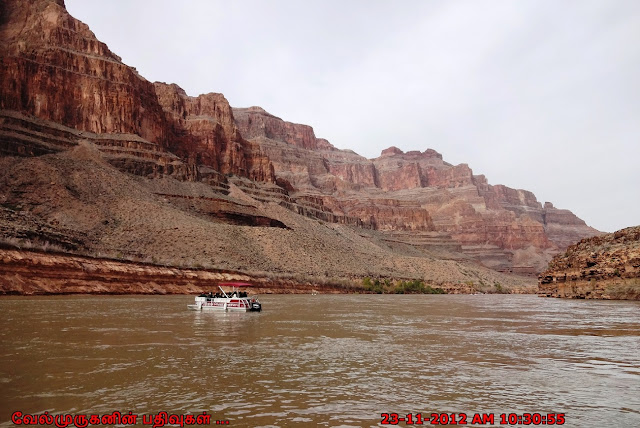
205	133
504	228
62	89
54	69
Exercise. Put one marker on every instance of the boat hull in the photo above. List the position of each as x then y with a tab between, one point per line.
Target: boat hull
226	304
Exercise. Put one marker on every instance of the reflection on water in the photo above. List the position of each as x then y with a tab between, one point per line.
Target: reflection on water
322	360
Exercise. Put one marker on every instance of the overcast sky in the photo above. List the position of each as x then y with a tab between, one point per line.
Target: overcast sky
542	95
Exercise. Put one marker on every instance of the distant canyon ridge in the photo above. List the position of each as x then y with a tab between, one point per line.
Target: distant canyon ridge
98	160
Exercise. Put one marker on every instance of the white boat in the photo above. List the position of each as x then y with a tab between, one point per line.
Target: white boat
233	300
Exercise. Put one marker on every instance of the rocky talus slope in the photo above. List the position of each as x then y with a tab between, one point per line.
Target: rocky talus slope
602	267
96	160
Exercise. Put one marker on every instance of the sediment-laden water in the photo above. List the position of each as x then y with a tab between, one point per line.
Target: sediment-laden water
326	360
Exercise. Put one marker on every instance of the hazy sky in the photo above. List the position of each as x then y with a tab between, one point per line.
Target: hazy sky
542	95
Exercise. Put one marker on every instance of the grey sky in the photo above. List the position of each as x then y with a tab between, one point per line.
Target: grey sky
542	95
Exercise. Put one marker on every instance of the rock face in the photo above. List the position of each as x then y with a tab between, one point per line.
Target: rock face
601	267
54	68
293	149
504	228
205	133
75	201
29	273
256	122
62	91
562	226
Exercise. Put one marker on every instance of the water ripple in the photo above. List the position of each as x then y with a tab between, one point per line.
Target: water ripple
326	360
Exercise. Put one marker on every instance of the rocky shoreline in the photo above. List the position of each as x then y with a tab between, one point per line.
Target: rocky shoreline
602	267
41	273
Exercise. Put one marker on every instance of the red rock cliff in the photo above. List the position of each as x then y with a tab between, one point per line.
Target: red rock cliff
419	191
54	68
256	122
206	133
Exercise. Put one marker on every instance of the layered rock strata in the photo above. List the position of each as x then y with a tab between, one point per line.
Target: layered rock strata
506	229
54	69
62	90
36	273
205	133
23	135
76	201
601	267
41	273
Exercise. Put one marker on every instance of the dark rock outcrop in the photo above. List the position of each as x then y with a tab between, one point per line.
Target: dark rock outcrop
601	267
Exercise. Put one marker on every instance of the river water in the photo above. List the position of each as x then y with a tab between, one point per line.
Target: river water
325	360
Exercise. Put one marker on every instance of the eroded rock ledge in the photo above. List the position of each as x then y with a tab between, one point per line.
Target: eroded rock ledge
602	267
43	273
35	273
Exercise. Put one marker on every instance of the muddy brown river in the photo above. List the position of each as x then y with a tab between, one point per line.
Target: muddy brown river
326	360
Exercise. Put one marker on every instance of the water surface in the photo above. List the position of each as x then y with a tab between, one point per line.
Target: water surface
322	360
